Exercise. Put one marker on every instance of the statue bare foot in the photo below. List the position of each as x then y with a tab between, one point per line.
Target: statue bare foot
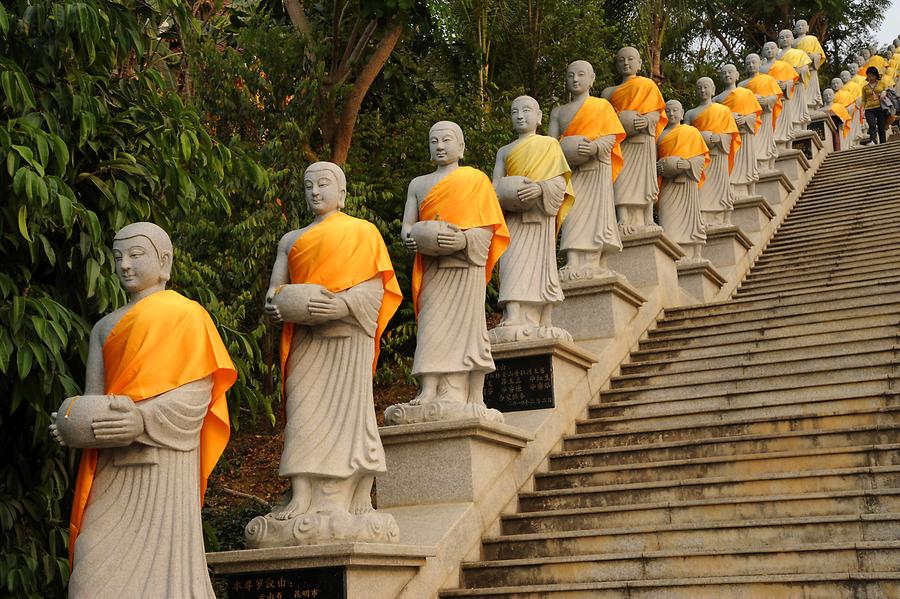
423	398
292	508
627	229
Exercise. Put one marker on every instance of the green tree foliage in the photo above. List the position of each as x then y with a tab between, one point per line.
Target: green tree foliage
92	137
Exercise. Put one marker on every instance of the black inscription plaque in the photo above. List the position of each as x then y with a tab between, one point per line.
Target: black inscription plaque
519	384
309	583
805	146
818	127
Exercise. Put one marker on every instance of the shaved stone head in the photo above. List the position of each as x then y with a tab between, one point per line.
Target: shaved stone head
448	126
331	167
160	240
582	64
529	101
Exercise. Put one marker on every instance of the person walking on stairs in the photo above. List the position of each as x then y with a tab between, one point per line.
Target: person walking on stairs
876	115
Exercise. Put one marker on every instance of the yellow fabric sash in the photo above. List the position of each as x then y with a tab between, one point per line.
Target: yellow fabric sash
684	141
641	95
810	43
465	198
797	59
766	85
717	118
743	101
338	253
164	341
859	80
540	158
876	61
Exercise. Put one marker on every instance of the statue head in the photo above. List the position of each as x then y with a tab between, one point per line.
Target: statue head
801	27
866	54
326	188
848	75
752	63
828	96
769	50
526	114
837	83
858	59
628	61
674	112
143	255
580	77
446	142
729	74
706	89
785	38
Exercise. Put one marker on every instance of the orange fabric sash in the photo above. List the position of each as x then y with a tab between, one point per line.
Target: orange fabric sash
784	71
338	253
743	101
762	84
685	142
641	95
164	341
840	111
465	198
717	119
597	118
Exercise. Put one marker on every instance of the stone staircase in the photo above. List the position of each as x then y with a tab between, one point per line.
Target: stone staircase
749	448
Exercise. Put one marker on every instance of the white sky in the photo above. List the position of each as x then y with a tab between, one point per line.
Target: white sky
890	27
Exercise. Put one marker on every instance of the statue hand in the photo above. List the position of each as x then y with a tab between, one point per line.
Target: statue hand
659	167
714	138
529	192
327	306
410	243
54	431
641	123
587	147
454	240
271	310
123	427
683	165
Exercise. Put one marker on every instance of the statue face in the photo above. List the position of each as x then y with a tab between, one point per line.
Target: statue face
785	38
705	89
866	54
837	83
828	96
674	111
846	76
137	264
729	74
525	116
445	147
579	77
768	50
323	194
752	64
628	62
801	27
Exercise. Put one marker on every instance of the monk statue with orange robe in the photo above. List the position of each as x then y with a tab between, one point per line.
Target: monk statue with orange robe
770	97
333	287
532	181
789	81
801	62
454	223
152	424
849	96
840	117
590	135
716	123
810	44
642	111
683	156
747	113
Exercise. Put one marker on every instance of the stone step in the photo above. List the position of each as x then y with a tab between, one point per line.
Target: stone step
831	244
589	436
837	273
667	414
836	286
875	256
836	214
813	286
785	461
864	556
750	496
591	457
770	532
822	197
852	585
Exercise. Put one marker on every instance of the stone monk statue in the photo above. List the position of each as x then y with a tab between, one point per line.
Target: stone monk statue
454	222
531	177
801	62
747	113
720	133
848	96
590	134
642	110
839	115
683	156
333	287
153	423
810	44
770	97
789	81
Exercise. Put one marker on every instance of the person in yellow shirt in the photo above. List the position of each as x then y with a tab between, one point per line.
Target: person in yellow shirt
876	116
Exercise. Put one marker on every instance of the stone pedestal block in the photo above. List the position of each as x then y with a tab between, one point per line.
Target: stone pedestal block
699	281
793	163
727	248
349	570
445	462
648	261
596	310
752	214
810	143
775	187
826	130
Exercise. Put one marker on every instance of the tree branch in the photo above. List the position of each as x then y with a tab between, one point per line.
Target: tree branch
298	16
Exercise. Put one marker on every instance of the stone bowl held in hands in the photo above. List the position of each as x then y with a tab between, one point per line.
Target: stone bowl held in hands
76	415
507	190
292	301
569	146
425	233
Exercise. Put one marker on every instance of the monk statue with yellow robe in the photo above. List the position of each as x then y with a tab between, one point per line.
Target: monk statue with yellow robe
720	132
642	111
789	81
800	61
810	44
840	116
152	423
531	178
683	156
590	135
770	97
849	94
333	287
454	223
747	114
